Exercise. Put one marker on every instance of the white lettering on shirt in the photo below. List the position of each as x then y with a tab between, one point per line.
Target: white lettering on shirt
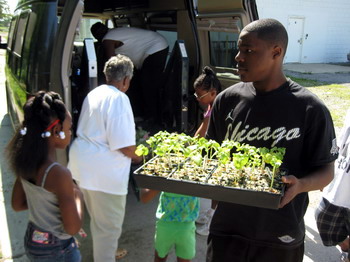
264	133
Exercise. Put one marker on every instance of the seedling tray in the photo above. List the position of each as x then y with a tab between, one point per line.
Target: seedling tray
201	189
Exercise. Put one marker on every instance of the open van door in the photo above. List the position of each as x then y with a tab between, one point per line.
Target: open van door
60	70
62	49
219	24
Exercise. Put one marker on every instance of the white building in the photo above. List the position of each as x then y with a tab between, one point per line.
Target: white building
319	30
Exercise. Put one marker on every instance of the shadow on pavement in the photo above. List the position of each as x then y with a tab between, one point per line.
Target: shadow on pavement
13	223
313	246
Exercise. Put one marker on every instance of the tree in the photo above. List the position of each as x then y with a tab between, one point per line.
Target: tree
5	16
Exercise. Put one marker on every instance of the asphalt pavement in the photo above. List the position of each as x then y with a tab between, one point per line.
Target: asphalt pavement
324	73
138	228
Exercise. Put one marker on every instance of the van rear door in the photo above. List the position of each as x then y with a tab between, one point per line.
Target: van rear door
218	25
62	49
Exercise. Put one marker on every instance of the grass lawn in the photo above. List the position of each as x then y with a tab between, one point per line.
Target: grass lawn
336	97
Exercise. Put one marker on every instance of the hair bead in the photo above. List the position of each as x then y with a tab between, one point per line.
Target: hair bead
62	135
23	131
46	134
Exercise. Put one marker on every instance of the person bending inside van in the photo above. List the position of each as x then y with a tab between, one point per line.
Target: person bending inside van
148	51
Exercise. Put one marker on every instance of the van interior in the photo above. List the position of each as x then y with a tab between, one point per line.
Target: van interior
172	20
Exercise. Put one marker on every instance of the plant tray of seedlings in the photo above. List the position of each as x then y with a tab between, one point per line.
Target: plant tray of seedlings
180	180
208	186
252	178
155	172
247	188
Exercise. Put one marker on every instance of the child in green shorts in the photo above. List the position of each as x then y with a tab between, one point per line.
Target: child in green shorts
176	215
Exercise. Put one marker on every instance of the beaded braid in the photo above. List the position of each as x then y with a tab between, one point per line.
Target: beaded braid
207	80
28	150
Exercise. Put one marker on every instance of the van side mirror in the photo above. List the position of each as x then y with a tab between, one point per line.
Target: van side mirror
3	46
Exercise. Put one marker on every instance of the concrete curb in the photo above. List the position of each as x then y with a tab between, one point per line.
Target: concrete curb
316	68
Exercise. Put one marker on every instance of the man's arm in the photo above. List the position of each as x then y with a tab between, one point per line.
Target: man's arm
109	47
317	180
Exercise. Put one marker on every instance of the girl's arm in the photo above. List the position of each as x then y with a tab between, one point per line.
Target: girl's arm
79	200
70	198
147	195
19	199
203	127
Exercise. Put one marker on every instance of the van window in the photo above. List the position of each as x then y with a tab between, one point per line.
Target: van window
12	29
19	39
26	63
171	38
223	49
223	35
84	29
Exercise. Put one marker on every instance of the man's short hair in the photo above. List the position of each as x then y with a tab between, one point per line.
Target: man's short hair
99	30
269	30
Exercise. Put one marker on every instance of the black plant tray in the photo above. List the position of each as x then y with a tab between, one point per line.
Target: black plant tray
216	192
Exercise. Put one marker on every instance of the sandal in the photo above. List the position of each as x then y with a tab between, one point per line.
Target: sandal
82	233
121	252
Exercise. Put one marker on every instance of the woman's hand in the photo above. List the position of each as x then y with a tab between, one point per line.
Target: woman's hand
130	152
137	160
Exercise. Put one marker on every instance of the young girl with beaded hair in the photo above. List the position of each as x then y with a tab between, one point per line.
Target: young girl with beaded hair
43	186
207	86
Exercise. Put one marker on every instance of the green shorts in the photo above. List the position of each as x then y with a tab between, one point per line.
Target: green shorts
181	235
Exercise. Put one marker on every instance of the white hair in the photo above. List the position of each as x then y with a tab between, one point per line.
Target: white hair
118	67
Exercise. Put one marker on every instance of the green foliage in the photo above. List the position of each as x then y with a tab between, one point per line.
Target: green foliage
4	8
201	151
5	16
337	99
335	96
142	150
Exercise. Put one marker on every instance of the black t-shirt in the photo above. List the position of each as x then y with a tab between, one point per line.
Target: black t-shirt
290	117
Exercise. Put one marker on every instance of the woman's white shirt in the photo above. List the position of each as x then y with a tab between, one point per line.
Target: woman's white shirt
106	124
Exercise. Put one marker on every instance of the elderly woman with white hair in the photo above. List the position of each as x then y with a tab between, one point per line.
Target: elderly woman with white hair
101	155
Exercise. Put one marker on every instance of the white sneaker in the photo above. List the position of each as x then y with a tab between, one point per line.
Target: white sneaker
205	217
203	230
344	257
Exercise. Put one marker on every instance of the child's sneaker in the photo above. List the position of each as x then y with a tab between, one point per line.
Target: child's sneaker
205	217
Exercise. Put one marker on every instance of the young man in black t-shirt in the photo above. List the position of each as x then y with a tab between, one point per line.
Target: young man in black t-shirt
268	110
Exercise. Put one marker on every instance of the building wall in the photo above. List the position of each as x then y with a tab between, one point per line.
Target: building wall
326	30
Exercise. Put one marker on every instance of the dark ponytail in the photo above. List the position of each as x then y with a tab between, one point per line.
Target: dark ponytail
208	80
27	151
